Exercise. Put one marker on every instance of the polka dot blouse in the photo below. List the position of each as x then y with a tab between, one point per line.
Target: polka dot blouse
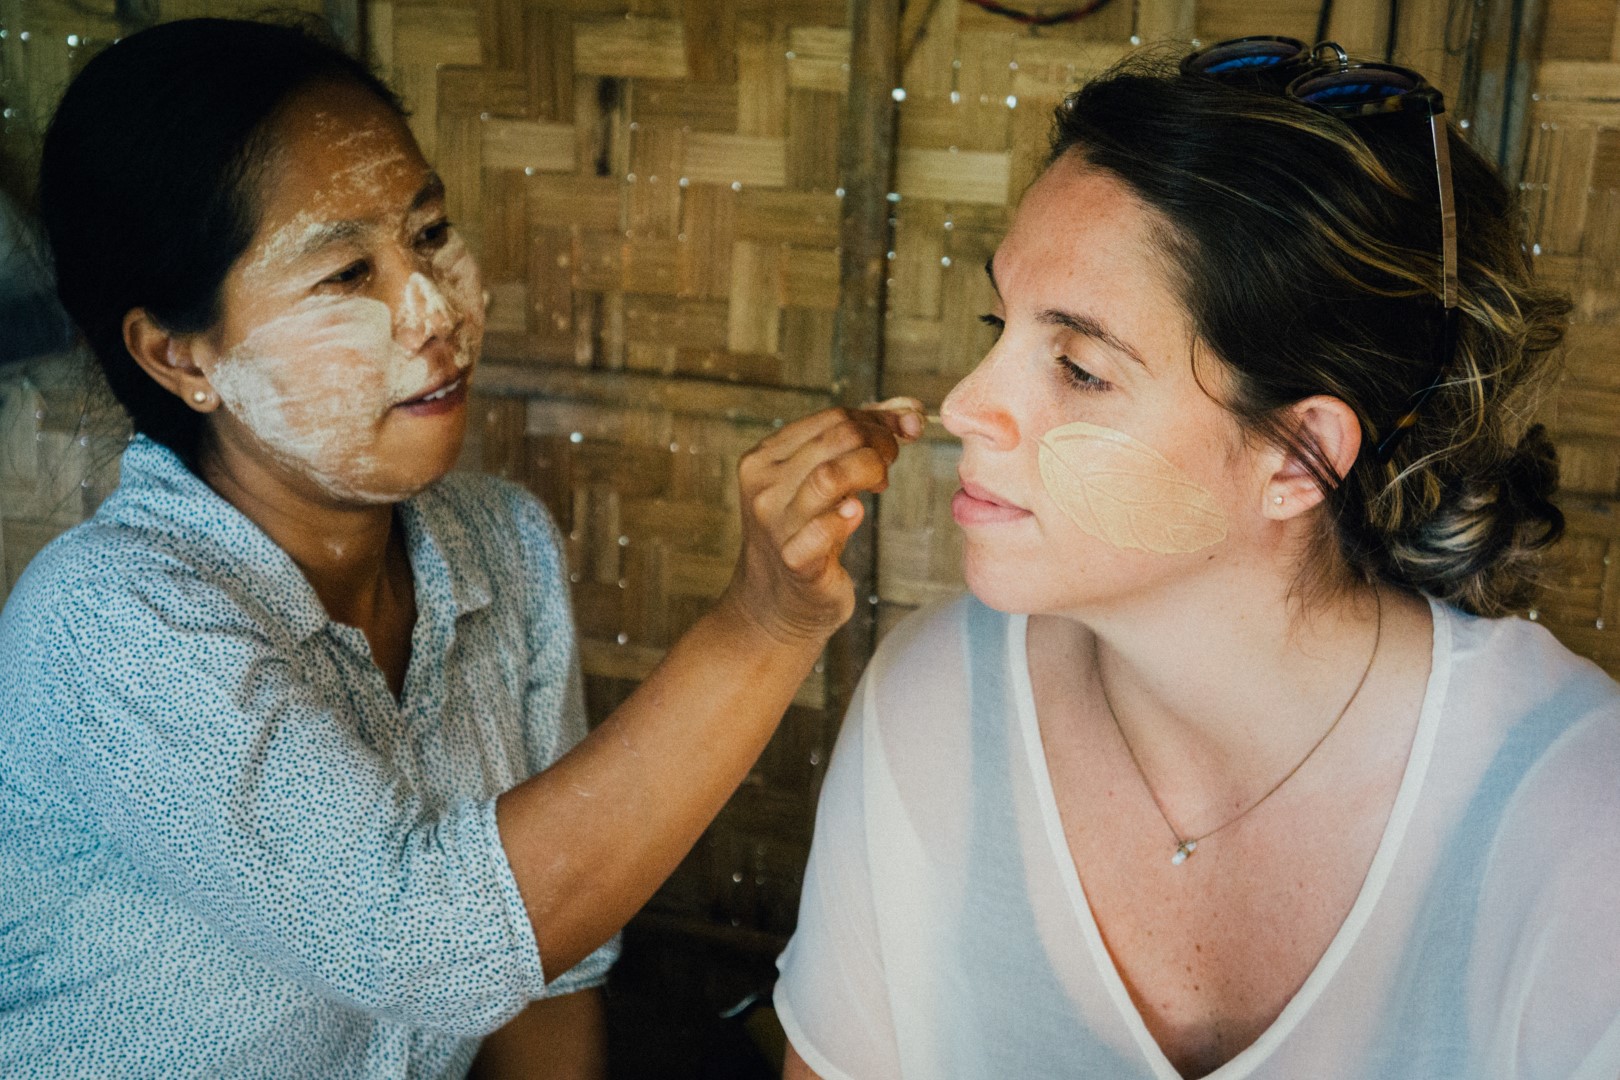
225	848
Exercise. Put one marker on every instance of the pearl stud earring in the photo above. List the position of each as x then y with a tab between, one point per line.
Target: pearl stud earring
1278	499
200	396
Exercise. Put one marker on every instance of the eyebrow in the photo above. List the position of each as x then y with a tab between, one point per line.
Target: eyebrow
339	231
432	188
1074	322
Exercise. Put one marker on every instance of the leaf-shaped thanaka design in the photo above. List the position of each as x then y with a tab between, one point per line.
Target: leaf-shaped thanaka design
1126	493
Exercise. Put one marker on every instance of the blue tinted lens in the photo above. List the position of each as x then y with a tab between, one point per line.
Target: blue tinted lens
1352	93
1240	63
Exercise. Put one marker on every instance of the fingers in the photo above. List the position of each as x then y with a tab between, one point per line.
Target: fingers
910	415
901	416
835	481
820	542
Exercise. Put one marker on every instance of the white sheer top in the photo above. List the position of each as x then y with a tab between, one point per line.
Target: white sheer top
944	933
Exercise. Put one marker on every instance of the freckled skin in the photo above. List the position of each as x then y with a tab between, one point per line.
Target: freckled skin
318	349
1080	242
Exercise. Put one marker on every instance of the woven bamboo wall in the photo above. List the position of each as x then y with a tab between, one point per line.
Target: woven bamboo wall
1572	188
653	187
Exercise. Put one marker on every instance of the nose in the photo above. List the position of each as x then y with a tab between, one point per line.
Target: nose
423	314
976	407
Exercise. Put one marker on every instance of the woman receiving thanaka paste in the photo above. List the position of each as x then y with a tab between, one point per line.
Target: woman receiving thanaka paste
293	762
1230	765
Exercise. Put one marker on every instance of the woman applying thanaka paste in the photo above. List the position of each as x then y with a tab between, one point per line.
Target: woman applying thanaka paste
288	732
1218	771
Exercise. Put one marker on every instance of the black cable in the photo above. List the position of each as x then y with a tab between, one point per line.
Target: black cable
1031	19
1394	31
1323	17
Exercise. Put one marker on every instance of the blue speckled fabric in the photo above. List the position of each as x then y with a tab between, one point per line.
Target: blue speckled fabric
225	849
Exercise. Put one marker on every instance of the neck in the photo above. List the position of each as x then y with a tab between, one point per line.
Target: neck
347	552
1226	685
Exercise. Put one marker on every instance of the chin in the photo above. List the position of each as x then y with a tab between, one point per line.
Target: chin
999	584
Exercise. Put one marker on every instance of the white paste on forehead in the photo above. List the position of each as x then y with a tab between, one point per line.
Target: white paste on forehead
1125	493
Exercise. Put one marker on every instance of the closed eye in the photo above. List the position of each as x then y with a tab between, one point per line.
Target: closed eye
993	322
1079	378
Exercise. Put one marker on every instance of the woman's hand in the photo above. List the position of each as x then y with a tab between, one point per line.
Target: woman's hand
590	838
799	508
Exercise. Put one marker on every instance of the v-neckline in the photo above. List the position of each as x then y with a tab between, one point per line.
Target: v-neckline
1372	887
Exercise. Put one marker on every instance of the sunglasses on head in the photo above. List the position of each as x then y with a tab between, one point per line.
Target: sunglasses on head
1324	76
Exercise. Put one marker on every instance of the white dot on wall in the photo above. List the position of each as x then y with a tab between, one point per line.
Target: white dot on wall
483	116
73	41
894	196
23	36
736	185
945	260
898	93
956	98
685	181
630	178
1465	123
1535	249
576	437
623	639
791	55
1012	101
528	170
838	192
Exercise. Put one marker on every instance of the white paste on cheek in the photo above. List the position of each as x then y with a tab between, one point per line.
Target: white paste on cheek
1125	493
313	385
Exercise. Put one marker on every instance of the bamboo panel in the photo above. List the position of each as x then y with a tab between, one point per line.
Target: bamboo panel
607	161
59	447
1571	190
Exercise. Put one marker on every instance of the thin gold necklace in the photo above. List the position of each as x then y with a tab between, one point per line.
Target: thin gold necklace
1186	845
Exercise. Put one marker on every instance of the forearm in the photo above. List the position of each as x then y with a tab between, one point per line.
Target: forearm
591	838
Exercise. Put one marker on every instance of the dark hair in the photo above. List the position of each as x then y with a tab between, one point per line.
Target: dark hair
148	183
1306	249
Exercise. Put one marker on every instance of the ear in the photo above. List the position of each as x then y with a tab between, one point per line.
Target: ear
170	359
1332	428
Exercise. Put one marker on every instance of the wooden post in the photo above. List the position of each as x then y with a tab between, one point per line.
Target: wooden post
866	169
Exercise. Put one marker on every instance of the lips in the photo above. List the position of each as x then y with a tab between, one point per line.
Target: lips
441	398
975	505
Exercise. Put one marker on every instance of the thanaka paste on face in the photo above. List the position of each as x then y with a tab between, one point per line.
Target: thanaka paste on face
1125	493
314	383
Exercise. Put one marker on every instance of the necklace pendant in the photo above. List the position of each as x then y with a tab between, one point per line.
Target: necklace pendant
1183	849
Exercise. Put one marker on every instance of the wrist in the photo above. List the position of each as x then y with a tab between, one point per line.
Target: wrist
736	616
